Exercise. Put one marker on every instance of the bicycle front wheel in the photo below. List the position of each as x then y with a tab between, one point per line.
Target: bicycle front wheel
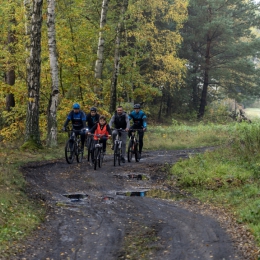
115	153
70	151
129	151
119	154
79	156
100	159
96	155
137	154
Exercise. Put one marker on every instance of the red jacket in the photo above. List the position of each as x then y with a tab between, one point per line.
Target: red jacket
100	130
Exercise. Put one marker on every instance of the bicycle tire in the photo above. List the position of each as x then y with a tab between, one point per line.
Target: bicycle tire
96	154
119	154
79	156
115	153
136	152
100	159
88	147
70	151
129	151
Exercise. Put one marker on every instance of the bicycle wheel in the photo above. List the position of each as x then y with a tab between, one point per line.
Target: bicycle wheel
79	156
70	151
137	154
100	159
129	151
115	153
119	154
96	155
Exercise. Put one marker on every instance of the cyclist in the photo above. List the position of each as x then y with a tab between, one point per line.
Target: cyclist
92	117
120	120
139	120
102	129
78	120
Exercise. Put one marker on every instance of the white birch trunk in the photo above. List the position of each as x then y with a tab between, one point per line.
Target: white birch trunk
101	41
53	102
32	132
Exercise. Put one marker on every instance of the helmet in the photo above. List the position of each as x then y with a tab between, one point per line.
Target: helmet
76	106
137	106
93	109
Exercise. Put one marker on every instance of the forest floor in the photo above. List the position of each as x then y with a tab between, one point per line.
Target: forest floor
99	214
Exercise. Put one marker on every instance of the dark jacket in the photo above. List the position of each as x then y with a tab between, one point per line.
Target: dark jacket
120	121
92	120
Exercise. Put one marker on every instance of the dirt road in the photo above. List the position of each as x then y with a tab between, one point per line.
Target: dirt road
109	214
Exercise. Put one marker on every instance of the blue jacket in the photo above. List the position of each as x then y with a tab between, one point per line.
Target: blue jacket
139	119
78	120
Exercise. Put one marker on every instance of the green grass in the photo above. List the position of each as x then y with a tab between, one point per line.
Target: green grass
229	176
184	136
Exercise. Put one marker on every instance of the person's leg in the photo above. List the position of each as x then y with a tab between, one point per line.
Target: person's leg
83	137
104	142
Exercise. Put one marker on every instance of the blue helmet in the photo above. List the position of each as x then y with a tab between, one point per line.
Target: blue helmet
76	106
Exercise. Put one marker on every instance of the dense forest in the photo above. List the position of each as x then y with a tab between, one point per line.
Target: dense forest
171	56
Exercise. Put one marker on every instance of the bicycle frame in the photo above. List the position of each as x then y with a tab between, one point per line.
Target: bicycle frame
118	147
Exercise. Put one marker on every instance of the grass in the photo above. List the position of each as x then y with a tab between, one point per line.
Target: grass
229	176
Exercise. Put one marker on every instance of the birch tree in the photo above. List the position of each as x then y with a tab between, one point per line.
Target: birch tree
101	41
53	102
32	132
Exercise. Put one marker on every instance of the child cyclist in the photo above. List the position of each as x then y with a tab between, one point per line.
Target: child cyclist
102	129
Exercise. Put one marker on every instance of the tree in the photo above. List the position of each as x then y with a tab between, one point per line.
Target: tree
53	102
101	41
32	132
218	43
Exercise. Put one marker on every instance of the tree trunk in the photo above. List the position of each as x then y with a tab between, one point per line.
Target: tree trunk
101	41
10	74
113	97
53	102
32	132
203	101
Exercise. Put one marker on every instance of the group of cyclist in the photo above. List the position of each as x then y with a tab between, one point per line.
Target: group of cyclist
98	126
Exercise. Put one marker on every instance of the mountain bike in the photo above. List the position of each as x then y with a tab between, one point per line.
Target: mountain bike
97	153
73	146
118	147
133	145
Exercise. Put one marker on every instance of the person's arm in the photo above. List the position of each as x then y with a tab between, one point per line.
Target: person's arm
112	120
144	121
67	120
109	130
127	122
84	119
93	129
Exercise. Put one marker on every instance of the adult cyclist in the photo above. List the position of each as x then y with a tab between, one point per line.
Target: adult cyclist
139	120
92	119
120	120
78	120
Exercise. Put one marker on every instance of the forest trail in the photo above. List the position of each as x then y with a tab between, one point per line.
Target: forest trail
110	214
